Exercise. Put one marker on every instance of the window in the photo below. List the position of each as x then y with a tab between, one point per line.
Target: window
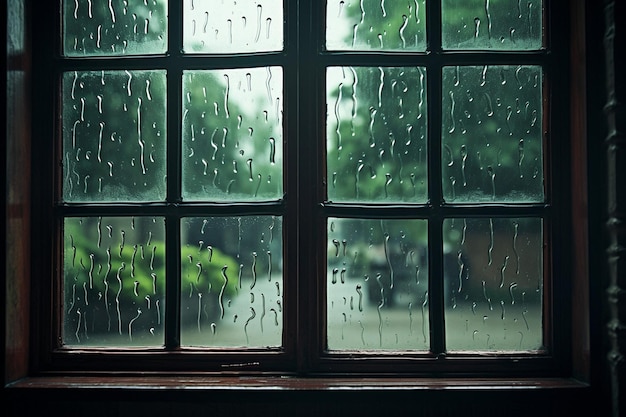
369	187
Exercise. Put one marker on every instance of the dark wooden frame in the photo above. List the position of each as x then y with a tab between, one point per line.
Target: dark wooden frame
303	44
23	362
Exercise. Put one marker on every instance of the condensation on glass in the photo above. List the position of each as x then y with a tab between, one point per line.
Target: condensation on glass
233	134
114	136
114	27
512	25
493	271
114	281
376	134
377	284
376	25
231	281
492	138
232	26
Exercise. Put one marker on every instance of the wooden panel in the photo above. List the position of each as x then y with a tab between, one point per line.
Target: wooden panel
17	216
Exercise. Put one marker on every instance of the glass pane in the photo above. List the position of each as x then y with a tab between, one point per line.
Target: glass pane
497	24
232	281
114	281
114	135
233	134
233	26
376	25
376	134
114	27
377	284
492	134
493	271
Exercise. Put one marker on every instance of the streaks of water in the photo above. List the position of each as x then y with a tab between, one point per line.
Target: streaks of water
226	95
502	270
272	142
512	287
492	177
245	326
221	295
452	119
262	311
388	259
381	85
517	257
490	249
486	296
424	304
463	162
259	9
117	297
268	81
338	117
139	139
254	257
461	264
488	13
405	21
520	157
476	27
380	306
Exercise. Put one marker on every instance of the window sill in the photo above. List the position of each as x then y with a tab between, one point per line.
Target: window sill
164	396
275	383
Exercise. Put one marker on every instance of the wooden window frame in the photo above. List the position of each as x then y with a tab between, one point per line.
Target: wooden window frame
41	364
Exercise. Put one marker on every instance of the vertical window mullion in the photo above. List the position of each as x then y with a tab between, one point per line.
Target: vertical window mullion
294	338
172	221
172	267
309	148
435	221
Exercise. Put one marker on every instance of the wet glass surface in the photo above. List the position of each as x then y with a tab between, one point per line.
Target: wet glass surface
377	284
114	281
233	134
376	134
511	25
114	27
493	271
114	136
492	138
230	27
377	25
232	281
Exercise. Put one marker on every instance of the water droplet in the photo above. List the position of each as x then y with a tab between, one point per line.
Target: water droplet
492	177
405	21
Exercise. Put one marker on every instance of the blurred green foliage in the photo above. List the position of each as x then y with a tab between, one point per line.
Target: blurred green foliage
115	272
232	134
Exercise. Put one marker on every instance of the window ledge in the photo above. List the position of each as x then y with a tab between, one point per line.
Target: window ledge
275	383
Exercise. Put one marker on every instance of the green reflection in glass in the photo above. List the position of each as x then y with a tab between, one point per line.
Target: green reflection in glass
114	281
376	134
232	134
492	139
512	25
376	25
232	281
114	135
114	27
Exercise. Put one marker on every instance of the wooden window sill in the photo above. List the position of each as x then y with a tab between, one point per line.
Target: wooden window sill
274	383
